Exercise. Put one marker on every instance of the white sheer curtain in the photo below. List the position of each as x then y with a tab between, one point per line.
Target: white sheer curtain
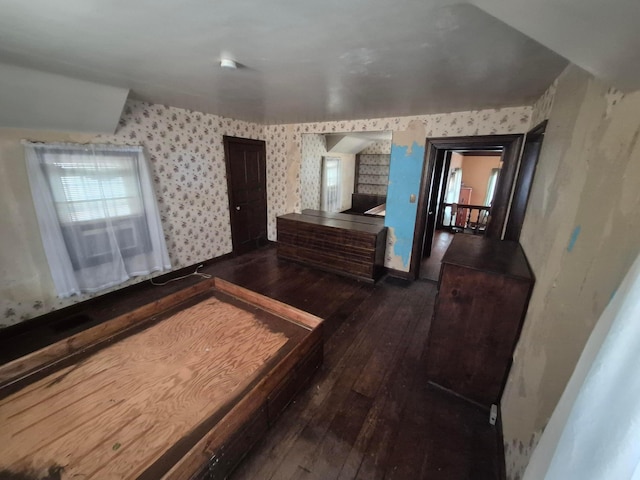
97	213
453	193
491	186
594	432
331	187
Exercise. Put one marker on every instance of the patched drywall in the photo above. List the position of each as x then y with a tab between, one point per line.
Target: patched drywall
405	173
580	235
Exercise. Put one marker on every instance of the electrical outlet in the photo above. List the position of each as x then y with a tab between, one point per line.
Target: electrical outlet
493	414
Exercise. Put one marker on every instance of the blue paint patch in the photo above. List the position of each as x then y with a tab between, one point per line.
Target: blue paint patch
405	172
574	238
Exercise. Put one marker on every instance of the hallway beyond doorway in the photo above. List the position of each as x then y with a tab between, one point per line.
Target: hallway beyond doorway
430	268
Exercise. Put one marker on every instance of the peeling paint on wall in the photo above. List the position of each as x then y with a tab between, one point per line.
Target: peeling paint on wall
580	236
574	238
405	173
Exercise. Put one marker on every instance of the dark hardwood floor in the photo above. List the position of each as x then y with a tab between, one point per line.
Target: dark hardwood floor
369	412
430	266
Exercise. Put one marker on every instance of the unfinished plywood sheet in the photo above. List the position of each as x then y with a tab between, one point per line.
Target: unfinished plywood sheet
115	413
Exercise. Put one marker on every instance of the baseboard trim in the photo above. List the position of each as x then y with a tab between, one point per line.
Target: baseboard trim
392	272
502	467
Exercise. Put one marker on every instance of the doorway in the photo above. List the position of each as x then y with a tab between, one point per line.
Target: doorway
466	189
433	189
247	186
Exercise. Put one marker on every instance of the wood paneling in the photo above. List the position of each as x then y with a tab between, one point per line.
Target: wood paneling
352	245
483	294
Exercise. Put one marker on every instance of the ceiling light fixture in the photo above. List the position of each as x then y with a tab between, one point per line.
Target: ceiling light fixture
228	63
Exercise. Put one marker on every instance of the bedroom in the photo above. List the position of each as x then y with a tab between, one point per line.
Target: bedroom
566	195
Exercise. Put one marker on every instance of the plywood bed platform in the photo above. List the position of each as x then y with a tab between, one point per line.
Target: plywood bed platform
178	389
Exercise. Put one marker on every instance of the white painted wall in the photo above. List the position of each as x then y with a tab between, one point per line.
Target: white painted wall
37	100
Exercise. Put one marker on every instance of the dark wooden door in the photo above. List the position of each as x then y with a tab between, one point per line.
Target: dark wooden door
247	185
435	174
524	182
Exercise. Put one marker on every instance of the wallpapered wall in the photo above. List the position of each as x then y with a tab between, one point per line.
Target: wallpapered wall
313	148
580	235
373	171
284	144
380	146
187	157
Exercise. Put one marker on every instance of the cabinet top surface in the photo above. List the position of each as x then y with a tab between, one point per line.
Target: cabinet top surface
480	253
346	221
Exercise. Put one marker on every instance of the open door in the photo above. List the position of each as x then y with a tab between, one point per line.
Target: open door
442	158
528	164
436	148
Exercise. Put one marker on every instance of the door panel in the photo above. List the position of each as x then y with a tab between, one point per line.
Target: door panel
246	180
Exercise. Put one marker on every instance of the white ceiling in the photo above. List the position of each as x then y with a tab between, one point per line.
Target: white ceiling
303	60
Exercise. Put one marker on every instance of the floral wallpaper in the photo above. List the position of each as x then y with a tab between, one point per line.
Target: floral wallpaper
542	107
373	175
287	139
313	148
186	154
378	147
187	157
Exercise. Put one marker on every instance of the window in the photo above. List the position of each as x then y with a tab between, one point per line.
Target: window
491	186
97	214
331	187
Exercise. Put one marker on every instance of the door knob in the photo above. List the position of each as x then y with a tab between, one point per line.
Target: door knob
237	207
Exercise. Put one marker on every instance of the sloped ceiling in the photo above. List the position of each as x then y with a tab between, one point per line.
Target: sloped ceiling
302	61
600	36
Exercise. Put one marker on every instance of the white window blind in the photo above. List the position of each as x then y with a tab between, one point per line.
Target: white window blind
97	214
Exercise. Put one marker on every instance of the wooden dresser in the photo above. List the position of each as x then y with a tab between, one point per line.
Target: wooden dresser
483	293
347	244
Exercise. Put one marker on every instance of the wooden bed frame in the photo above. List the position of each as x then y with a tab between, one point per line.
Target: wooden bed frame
211	447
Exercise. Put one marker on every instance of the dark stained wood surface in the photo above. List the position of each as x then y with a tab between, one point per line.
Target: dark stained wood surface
352	245
247	188
479	253
344	221
375	337
483	295
350	217
361	202
430	268
524	182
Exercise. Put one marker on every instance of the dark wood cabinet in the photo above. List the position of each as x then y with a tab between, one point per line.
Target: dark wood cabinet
351	245
483	293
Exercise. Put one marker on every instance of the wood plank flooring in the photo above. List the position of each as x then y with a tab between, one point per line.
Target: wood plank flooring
430	266
369	412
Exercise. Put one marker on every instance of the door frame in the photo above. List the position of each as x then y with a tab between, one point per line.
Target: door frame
524	182
226	140
511	146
